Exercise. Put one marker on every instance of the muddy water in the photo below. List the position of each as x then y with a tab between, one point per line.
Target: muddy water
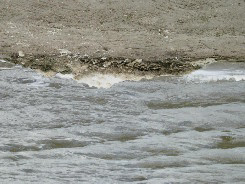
188	129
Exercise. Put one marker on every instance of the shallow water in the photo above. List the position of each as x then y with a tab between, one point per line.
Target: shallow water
188	129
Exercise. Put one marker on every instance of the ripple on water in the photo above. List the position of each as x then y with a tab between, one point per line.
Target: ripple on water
114	156
227	156
156	105
162	164
45	145
61	143
162	151
124	137
24	81
97	100
229	142
119	136
20	148
134	178
55	85
15	157
4	96
203	129
173	131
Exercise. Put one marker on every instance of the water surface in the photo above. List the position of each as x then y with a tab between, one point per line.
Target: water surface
187	129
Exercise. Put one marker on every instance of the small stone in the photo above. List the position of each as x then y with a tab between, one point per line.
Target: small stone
126	61
64	52
21	54
85	56
135	63
106	64
138	61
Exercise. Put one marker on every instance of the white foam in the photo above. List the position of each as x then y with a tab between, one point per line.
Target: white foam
107	80
4	68
99	80
2	61
216	75
103	80
65	76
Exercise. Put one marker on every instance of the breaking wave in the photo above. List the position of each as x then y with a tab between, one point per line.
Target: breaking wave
103	80
216	74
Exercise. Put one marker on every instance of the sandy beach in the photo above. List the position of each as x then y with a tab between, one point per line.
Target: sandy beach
65	36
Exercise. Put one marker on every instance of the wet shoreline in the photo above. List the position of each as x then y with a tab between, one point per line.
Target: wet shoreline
84	65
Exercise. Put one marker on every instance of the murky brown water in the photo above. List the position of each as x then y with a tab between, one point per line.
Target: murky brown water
188	129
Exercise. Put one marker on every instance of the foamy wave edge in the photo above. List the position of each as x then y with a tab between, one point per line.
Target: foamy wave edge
214	76
103	80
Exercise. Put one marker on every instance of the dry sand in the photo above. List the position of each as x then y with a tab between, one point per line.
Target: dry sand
114	30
